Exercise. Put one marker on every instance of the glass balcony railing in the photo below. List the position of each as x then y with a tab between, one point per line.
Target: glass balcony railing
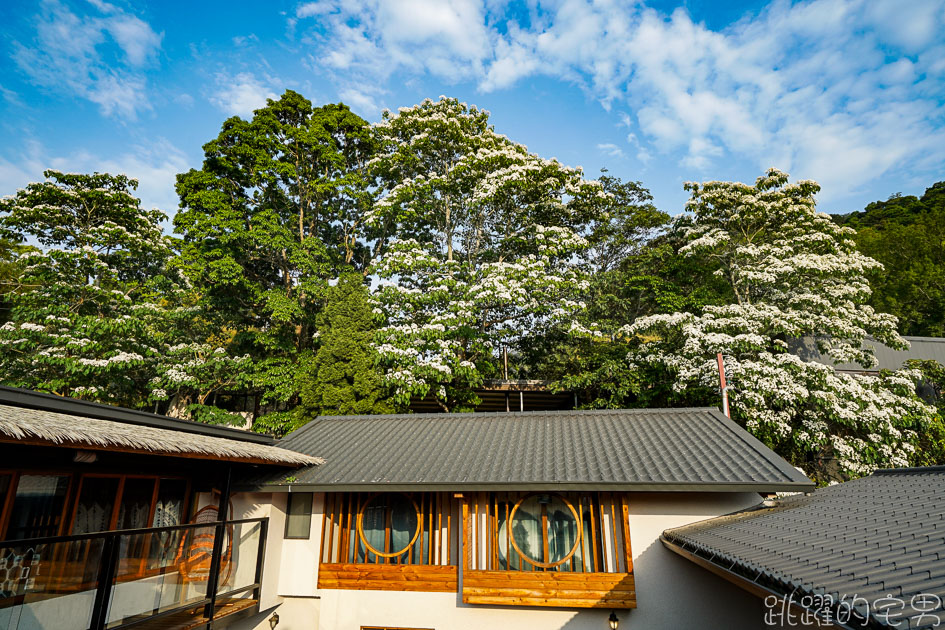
167	577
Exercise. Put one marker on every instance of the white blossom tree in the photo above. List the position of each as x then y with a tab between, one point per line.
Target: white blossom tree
485	251
97	309
794	273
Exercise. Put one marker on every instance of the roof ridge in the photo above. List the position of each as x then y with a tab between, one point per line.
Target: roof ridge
909	470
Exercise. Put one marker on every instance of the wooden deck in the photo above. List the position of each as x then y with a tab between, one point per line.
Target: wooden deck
193	618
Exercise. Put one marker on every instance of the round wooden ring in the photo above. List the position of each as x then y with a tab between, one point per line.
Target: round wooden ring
363	538
545	565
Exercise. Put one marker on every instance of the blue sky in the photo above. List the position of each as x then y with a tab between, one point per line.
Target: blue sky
850	93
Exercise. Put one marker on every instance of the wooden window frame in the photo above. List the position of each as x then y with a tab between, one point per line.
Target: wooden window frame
605	586
6	510
430	563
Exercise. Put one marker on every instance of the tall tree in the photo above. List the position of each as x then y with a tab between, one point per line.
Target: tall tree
276	210
792	272
84	303
486	236
344	378
907	235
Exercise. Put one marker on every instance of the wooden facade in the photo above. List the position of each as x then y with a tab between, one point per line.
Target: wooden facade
475	531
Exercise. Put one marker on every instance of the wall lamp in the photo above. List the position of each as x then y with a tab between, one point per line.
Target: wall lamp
613	620
274	621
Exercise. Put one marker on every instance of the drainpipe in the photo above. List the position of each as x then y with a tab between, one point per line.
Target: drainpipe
723	385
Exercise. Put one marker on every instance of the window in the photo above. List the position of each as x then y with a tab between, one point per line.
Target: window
38	506
566	549
546	531
109	502
390	528
391	541
298	520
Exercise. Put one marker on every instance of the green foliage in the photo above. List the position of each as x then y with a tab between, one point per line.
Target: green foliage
907	235
486	247
83	310
276	211
343	378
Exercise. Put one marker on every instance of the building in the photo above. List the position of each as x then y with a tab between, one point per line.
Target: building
513	520
869	553
73	473
115	518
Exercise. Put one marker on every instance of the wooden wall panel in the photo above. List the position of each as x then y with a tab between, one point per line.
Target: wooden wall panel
547	588
388	577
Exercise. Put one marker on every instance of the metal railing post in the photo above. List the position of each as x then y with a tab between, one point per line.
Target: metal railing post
106	576
260	557
214	577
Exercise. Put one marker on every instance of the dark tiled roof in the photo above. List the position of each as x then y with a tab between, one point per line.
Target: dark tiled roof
659	449
872	538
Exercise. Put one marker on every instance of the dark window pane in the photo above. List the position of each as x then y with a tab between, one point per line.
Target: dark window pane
135	505
93	512
169	510
298	522
37	507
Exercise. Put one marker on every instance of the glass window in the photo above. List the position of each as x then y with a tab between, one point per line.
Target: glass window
37	506
135	507
96	504
544	531
298	520
169	510
388	525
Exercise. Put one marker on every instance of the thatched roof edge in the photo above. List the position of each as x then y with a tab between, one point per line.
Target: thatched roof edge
61	429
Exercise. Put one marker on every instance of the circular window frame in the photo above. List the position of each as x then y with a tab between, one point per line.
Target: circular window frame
577	540
363	538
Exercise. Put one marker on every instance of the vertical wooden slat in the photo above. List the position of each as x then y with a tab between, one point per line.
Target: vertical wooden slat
387	518
495	532
449	529
465	534
440	502
345	518
583	535
422	522
613	531
475	533
625	508
508	537
603	533
592	508
432	537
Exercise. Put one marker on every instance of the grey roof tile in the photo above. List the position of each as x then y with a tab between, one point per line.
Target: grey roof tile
667	449
872	537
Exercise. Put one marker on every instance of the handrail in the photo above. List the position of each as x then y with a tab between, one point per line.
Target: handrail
121	532
107	576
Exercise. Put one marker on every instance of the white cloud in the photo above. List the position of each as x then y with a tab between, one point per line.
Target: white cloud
155	166
611	149
69	54
240	95
839	90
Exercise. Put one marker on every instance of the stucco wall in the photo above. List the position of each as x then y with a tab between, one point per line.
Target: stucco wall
672	593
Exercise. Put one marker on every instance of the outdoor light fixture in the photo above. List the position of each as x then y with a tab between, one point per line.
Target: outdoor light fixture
613	621
274	621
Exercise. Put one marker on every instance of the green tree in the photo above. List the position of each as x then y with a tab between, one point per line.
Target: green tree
85	303
344	379
276	211
792	272
907	235
485	248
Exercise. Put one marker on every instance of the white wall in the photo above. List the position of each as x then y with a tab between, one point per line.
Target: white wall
672	592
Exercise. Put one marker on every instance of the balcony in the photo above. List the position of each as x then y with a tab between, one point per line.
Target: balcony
176	578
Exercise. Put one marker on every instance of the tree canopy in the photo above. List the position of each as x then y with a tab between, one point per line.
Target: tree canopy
325	265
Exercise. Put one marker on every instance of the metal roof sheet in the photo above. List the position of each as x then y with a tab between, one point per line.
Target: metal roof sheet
879	536
643	449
